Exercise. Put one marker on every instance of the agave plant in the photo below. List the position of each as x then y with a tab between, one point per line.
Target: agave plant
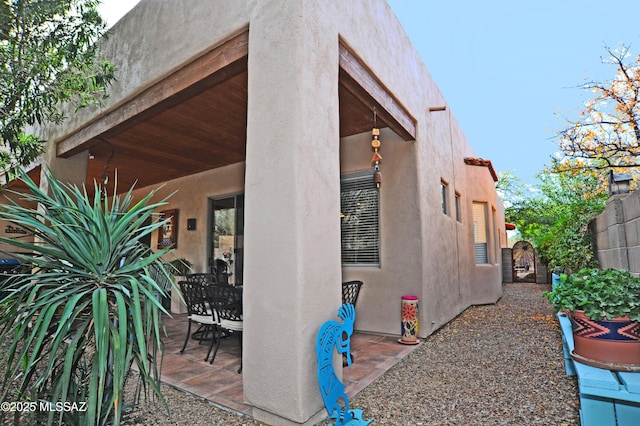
90	305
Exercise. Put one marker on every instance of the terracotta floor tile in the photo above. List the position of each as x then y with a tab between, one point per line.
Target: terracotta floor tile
221	384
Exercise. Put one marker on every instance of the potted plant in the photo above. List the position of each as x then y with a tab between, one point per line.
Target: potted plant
604	308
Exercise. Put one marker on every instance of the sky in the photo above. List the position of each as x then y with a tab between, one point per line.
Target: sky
510	70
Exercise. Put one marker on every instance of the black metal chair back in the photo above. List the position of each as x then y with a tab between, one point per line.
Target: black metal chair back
350	291
194	297
227	302
202	278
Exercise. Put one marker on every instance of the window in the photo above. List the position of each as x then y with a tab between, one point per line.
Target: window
496	234
480	233
443	196
359	205
458	211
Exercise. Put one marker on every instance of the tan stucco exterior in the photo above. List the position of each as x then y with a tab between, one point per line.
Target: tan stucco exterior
291	179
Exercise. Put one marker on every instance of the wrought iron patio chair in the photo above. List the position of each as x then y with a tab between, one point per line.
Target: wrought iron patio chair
202	279
226	301
199	312
350	292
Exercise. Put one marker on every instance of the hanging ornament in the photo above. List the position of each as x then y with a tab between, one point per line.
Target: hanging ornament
377	177
375	146
377	158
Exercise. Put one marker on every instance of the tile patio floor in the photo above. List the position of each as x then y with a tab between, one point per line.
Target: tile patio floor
221	384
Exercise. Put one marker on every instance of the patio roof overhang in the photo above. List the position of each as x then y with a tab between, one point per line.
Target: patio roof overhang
195	119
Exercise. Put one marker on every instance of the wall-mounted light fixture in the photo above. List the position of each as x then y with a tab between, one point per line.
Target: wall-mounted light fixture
619	183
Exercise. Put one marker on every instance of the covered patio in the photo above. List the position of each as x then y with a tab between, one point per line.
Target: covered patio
220	383
195	120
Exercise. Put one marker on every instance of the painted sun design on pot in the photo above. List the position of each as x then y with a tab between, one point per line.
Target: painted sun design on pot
409	312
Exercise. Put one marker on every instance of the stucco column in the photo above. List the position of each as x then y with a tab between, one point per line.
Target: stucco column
292	197
72	170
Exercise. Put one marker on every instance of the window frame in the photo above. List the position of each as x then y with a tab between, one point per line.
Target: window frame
370	254
444	197
481	236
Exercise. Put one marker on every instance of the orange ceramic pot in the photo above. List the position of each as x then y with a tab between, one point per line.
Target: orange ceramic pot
613	344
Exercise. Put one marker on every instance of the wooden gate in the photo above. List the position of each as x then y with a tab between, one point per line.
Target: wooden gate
524	262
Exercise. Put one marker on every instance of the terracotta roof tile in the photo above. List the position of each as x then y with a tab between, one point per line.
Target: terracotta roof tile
472	161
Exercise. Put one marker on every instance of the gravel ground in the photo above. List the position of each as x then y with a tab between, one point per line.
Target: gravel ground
493	365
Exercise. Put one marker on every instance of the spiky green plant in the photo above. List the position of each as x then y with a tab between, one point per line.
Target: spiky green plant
89	308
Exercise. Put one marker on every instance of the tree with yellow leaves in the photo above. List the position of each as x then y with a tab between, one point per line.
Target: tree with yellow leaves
607	134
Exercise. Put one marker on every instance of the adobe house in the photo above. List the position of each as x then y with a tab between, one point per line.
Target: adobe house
260	115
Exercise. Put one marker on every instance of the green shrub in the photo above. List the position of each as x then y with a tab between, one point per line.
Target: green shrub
89	308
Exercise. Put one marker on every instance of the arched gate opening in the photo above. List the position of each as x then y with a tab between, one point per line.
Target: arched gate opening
524	262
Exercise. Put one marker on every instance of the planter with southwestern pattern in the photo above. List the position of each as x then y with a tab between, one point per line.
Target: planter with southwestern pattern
612	344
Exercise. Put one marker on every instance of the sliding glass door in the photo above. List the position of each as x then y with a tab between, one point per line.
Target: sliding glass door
227	238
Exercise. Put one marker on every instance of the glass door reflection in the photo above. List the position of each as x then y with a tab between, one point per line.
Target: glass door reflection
227	238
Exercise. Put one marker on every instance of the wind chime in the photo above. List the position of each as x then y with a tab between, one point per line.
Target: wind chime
377	158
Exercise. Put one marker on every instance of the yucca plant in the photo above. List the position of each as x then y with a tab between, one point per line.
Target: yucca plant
89	307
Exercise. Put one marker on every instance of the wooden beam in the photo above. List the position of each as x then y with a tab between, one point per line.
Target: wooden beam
208	70
361	82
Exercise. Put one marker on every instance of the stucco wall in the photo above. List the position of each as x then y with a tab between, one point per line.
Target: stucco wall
400	270
482	283
193	245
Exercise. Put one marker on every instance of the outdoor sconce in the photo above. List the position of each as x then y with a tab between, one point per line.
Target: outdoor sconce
191	224
619	183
